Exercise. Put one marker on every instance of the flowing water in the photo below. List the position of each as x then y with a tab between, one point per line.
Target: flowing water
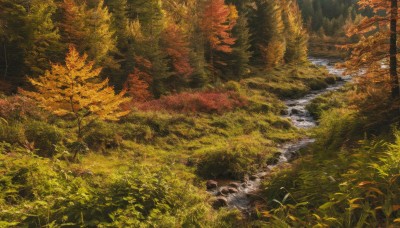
301	118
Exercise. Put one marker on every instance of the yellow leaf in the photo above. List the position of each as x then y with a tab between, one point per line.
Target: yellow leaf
266	214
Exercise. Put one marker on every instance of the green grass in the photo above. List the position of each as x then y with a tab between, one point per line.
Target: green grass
148	169
348	178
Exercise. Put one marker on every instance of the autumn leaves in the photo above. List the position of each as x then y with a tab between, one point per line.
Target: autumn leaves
74	91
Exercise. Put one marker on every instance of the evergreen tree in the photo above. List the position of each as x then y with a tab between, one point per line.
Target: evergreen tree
42	45
267	26
217	22
13	34
296	36
100	41
240	58
73	27
89	29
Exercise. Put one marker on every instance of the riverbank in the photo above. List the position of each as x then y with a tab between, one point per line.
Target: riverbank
348	177
243	194
153	162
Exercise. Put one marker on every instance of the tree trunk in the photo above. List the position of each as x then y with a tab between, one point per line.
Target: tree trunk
393	49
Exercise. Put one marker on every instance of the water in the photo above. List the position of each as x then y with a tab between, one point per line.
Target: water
301	118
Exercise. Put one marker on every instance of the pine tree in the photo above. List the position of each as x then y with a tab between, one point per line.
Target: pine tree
137	87
43	45
241	50
13	34
73	28
176	46
90	31
217	22
73	91
100	42
120	24
296	36
268	28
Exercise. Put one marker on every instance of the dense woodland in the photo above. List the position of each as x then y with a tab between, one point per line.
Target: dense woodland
166	45
135	113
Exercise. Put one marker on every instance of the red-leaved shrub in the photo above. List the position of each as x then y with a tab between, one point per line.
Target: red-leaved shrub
18	107
198	102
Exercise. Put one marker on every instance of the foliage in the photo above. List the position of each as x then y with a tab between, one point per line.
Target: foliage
45	138
76	196
217	22
102	136
199	102
70	91
177	48
137	87
240	156
13	133
19	108
355	188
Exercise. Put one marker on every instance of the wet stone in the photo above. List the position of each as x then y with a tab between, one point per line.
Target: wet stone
211	184
220	202
234	185
253	177
284	112
233	190
224	190
295	111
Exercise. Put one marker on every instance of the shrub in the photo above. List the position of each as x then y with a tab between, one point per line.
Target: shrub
135	196
198	102
103	135
338	126
243	155
136	132
44	136
18	108
233	86
12	132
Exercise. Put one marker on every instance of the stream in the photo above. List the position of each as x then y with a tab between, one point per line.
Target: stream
240	195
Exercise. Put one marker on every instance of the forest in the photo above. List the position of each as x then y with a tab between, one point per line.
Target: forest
199	113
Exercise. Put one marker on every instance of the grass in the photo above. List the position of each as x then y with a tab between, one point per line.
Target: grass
148	169
348	178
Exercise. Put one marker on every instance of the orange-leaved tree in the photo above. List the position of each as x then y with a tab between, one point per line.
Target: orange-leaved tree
177	49
139	81
378	47
217	23
74	91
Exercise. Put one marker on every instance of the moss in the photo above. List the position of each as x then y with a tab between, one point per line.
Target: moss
234	158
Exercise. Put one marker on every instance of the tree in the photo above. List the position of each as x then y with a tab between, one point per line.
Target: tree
176	46
90	31
296	36
12	35
378	45
73	27
42	45
137	87
217	22
100	41
73	91
241	49
268	28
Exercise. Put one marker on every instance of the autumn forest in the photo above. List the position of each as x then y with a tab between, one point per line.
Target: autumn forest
199	113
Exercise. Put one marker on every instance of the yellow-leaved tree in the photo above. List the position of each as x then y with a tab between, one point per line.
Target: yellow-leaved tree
75	91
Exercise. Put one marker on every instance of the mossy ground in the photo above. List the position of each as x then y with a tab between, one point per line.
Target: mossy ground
149	168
